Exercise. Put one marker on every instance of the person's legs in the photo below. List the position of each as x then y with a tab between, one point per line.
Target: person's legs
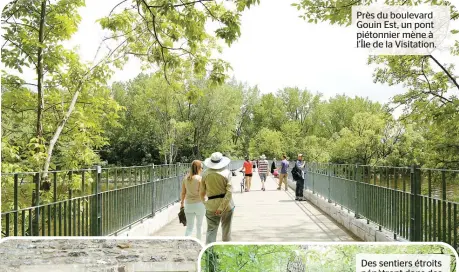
212	226
227	218
297	189
249	183
286	181
263	180
190	216
300	186
200	212
279	185
282	178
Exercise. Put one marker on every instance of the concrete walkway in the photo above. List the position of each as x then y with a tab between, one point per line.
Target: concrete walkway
272	216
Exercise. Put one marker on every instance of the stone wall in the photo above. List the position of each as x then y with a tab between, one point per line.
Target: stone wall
368	232
121	255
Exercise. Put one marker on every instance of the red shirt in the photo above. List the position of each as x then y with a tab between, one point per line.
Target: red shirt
248	167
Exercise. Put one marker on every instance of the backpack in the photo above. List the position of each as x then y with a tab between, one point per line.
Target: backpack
296	173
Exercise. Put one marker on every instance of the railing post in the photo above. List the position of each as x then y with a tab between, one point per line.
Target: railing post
313	176
16	206
329	183
416	212
444	200
36	201
153	191
356	191
179	185
96	216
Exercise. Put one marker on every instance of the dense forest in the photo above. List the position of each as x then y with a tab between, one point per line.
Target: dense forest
68	116
303	258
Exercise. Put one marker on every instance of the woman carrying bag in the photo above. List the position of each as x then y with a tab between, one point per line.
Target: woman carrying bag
194	208
273	167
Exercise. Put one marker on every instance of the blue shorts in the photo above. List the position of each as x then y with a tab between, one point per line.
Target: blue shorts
263	177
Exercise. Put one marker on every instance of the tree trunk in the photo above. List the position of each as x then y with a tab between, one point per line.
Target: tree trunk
40	76
41	103
58	131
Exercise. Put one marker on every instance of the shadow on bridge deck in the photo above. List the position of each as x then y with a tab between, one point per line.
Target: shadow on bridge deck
272	216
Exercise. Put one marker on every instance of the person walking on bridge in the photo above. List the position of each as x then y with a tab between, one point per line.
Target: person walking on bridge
273	167
300	181
194	208
283	173
263	166
247	169
216	184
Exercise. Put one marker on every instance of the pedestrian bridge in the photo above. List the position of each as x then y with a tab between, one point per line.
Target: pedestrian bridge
345	203
272	216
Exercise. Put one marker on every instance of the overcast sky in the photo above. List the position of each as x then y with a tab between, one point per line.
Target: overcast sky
276	49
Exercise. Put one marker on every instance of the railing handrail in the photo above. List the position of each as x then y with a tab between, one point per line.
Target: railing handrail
97	205
377	196
384	166
87	169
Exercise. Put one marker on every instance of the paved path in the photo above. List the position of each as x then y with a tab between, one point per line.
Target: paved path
272	216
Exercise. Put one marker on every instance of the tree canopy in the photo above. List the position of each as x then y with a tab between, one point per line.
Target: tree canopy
68	115
303	258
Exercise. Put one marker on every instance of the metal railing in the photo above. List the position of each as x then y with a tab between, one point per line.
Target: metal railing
86	202
236	164
415	203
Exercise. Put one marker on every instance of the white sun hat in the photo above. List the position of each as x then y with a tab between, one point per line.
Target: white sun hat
263	157
217	161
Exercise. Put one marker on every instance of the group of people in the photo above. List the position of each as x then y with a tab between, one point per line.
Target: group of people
215	184
248	169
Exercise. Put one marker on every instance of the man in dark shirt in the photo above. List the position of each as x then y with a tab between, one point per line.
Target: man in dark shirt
300	182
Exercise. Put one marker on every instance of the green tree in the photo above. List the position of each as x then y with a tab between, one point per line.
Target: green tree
339	112
162	126
300	106
267	142
172	34
431	85
71	97
245	129
269	112
360	142
305	258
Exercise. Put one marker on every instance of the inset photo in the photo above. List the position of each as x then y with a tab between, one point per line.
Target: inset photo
91	255
316	257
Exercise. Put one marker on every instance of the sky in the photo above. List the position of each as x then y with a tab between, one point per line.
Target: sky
276	49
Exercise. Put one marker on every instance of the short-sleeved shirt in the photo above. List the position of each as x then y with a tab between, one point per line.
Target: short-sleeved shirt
217	182
263	166
284	166
248	167
192	189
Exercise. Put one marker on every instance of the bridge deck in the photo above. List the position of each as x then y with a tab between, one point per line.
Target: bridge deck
272	216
